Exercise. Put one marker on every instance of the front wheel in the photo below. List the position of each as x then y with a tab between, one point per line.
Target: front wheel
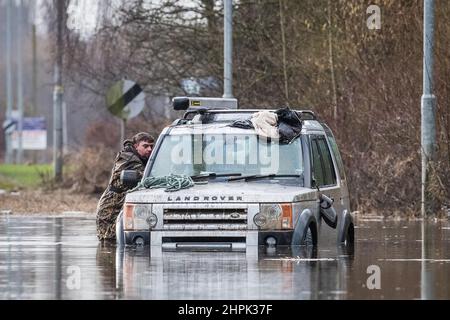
310	237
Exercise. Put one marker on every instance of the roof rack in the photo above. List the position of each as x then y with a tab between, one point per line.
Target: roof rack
198	110
207	114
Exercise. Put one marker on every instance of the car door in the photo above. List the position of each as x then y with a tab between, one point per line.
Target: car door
344	199
324	176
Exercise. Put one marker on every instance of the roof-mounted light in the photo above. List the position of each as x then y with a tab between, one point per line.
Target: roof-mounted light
185	103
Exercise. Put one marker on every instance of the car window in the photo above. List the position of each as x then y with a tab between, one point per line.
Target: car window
336	153
324	173
317	164
327	162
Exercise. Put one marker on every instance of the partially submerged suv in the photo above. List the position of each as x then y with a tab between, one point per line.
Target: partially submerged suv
248	189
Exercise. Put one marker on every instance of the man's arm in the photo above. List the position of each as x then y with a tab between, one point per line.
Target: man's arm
127	163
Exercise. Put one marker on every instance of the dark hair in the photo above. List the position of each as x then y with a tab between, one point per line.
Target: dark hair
143	136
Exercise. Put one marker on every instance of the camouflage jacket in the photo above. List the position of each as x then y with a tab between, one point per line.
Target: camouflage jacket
127	159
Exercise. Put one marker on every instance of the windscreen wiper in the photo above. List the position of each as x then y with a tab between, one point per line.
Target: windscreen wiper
263	176
213	175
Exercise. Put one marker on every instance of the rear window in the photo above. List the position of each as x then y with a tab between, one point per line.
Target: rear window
322	163
336	153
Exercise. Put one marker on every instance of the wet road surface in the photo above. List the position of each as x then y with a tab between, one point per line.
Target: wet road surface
60	258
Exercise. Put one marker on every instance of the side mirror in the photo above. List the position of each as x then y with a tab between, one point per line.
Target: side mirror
326	202
129	178
327	211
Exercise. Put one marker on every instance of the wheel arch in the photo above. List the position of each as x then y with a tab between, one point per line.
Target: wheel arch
305	221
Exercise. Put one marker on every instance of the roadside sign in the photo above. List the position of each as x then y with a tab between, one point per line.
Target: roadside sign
125	99
9	125
34	134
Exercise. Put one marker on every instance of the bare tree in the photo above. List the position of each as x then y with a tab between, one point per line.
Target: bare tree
288	53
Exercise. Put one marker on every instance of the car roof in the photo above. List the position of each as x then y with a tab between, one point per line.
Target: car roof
218	122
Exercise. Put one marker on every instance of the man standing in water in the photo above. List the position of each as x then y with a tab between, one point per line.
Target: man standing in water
133	156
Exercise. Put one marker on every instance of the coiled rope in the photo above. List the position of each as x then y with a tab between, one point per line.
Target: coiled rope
171	183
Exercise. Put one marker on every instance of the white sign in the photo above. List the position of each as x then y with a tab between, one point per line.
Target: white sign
34	135
31	140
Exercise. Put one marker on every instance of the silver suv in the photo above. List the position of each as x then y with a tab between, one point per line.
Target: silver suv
249	189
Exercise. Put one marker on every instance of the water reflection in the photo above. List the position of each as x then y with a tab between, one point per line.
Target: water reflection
291	273
36	256
433	259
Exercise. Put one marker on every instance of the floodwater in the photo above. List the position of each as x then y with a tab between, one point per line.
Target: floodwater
60	258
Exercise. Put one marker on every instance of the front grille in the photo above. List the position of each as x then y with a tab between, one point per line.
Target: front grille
205	219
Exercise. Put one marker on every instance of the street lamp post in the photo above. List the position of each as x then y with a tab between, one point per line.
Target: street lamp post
428	109
228	49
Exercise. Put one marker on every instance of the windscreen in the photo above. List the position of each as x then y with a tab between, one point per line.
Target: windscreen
225	153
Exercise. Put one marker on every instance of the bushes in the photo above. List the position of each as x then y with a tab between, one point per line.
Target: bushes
89	169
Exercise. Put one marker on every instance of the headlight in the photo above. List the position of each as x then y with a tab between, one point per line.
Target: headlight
152	220
260	220
139	217
274	216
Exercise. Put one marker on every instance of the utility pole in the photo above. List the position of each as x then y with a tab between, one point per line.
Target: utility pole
58	97
64	122
8	155
32	6
34	51
228	48
428	110
19	38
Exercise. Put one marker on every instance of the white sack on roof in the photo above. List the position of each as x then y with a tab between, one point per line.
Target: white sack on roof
265	123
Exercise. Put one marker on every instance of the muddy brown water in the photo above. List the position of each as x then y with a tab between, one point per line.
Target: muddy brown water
60	258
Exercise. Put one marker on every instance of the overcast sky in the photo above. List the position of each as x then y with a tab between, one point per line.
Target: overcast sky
82	15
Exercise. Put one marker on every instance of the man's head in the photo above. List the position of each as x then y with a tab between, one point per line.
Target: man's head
143	143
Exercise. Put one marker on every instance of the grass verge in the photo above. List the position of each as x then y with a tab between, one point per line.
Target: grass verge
13	176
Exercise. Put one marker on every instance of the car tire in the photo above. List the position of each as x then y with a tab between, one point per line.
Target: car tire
350	235
310	236
347	230
305	222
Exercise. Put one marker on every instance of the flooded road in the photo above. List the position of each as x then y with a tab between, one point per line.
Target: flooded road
60	258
